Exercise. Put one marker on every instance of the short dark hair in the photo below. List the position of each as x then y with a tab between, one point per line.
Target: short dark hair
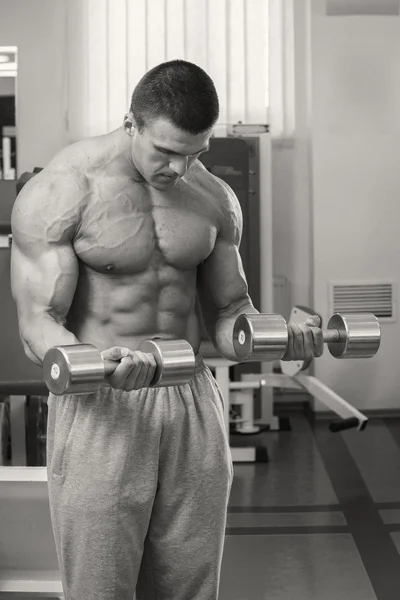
179	91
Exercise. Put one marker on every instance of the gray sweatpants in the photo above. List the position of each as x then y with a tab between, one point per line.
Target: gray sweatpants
139	484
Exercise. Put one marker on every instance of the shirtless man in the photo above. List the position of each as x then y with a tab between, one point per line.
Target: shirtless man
125	237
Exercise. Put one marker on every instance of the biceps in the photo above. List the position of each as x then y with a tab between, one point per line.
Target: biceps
44	283
222	279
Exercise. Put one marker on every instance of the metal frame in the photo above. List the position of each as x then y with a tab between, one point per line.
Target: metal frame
299	381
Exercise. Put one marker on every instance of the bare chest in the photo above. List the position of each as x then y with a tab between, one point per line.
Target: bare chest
128	229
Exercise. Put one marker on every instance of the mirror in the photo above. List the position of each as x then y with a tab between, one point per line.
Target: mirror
8	93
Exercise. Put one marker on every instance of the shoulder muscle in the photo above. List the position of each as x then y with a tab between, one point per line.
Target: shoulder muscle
49	206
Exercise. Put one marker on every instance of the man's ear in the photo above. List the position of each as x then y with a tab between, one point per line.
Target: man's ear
129	123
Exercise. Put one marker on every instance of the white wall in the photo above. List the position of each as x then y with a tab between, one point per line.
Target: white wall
292	168
356	181
38	30
336	183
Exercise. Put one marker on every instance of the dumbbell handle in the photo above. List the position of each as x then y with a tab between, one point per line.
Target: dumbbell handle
331	335
110	365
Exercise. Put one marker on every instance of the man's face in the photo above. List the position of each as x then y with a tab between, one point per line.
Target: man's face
162	153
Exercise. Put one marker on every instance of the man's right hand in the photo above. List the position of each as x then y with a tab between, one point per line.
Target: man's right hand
134	369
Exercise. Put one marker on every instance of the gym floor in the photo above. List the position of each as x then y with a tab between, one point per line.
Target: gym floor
320	520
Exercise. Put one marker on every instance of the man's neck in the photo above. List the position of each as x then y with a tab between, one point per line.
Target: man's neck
123	147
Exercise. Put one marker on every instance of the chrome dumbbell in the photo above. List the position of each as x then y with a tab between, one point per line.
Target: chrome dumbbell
80	368
264	337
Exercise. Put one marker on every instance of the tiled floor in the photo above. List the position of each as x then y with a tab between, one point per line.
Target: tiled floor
320	520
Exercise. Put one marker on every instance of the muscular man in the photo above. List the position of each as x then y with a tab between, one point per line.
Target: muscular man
125	237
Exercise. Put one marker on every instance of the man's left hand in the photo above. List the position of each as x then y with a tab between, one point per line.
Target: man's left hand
305	340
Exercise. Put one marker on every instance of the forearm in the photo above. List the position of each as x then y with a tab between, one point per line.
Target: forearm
223	330
42	333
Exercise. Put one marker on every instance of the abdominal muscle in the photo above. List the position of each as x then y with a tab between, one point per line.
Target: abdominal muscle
123	310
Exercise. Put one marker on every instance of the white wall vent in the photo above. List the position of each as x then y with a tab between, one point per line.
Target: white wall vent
341	8
377	298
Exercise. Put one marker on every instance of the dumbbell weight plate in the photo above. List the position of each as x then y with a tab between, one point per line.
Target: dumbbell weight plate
260	337
360	335
175	361
76	369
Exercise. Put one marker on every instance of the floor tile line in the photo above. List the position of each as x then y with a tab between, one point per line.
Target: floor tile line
372	538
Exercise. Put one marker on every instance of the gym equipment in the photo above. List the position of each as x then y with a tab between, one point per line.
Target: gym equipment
29	566
350	417
265	337
5	432
364	340
80	368
36	430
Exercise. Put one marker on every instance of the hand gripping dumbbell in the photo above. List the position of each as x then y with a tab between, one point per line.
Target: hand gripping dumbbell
81	369
264	337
